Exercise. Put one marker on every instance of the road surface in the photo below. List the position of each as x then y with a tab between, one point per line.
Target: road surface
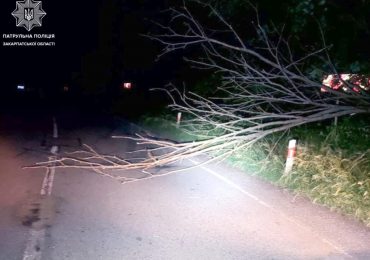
211	212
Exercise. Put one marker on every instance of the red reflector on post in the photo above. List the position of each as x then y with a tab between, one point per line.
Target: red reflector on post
292	149
291	153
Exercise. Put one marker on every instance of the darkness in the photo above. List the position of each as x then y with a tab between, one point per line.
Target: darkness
99	45
76	35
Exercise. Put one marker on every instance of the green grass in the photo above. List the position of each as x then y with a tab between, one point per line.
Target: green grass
332	167
331	179
164	126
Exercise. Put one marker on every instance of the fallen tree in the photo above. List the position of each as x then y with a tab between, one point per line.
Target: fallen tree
264	90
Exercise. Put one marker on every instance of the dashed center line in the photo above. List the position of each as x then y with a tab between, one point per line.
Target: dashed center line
35	243
47	184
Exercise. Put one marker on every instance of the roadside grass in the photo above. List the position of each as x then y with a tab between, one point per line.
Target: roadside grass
338	182
164	126
332	167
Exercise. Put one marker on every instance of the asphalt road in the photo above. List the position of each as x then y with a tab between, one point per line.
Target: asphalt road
211	212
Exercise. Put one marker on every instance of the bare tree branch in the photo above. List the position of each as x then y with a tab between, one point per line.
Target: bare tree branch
264	90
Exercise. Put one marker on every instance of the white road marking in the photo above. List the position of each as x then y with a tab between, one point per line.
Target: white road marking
54	149
35	243
47	184
272	208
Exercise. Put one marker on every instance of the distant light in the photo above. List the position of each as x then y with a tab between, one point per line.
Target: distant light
20	87
66	88
127	85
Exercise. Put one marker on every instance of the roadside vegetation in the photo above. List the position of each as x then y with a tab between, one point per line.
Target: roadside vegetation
332	167
252	105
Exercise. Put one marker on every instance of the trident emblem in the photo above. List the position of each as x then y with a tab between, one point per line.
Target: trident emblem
28	14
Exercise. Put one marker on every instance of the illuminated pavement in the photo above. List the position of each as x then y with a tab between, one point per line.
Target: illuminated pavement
206	213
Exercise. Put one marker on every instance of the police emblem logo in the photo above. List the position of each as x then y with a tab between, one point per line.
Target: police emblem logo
29	14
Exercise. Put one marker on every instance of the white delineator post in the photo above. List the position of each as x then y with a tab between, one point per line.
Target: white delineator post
179	116
292	150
